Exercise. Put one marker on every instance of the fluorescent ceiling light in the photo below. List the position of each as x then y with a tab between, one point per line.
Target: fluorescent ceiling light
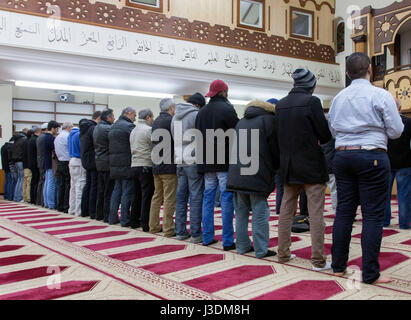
55	86
239	102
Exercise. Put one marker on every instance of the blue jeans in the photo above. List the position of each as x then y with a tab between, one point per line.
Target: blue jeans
122	193
8	183
13	174
213	180
243	204
403	177
190	185
362	179
49	190
18	190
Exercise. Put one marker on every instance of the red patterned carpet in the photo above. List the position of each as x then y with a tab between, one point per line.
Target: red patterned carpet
45	254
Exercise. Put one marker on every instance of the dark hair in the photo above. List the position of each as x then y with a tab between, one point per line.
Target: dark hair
106	113
96	115
30	133
357	65
53	124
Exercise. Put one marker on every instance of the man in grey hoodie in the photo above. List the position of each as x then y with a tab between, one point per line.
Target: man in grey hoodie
190	182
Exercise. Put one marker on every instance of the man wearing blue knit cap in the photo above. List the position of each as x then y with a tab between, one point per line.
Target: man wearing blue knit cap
302	127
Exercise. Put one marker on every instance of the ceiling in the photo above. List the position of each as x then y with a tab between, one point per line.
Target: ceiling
44	66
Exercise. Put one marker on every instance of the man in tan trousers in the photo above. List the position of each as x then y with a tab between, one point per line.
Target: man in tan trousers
302	127
164	171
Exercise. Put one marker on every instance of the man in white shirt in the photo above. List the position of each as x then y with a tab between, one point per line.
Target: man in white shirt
63	172
361	119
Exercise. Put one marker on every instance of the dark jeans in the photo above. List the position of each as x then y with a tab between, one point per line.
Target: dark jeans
143	190
7	186
89	196
63	192
279	197
122	193
39	198
362	178
104	191
33	185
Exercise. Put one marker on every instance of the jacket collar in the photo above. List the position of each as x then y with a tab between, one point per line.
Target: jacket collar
125	118
299	90
262	105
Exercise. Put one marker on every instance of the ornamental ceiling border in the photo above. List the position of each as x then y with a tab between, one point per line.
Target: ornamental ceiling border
153	23
317	5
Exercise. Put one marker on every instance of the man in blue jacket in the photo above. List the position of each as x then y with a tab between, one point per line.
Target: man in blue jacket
77	173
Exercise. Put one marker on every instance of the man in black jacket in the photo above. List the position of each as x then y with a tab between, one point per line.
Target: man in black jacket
40	164
101	148
27	171
218	114
120	167
17	151
302	127
88	161
32	164
399	153
165	173
252	188
6	167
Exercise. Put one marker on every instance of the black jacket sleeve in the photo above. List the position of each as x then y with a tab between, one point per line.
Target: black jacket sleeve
320	123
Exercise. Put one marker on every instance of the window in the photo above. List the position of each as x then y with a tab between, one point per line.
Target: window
251	14
156	5
302	25
340	36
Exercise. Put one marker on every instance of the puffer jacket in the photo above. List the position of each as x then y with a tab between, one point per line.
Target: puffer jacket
17	150
87	154
101	145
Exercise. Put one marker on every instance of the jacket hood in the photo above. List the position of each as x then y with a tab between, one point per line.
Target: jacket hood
74	131
18	136
258	107
85	124
182	109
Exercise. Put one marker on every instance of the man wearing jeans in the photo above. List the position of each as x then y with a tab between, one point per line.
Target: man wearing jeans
399	152
120	167
362	118
219	113
190	182
17	151
252	187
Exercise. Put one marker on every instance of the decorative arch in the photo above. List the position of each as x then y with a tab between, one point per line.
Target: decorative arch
317	5
340	35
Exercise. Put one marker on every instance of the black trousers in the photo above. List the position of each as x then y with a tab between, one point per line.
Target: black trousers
89	196
39	198
33	185
143	190
64	173
104	190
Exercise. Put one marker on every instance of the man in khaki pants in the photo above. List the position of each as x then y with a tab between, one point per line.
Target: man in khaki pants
302	164
164	171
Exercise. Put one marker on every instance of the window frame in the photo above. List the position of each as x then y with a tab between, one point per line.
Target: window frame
146	6
338	23
246	26
306	12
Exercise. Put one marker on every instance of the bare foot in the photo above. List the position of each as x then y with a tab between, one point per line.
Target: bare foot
382	279
340	274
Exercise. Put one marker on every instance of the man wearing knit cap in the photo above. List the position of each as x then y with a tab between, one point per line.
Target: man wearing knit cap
219	113
190	182
302	126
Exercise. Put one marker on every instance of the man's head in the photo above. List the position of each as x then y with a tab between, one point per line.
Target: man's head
25	131
44	126
107	115
129	113
359	66
304	78
218	87
96	116
167	105
67	126
53	127
146	115
37	131
197	99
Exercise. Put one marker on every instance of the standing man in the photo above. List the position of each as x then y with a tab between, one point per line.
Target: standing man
48	149
6	167
399	153
165	177
32	164
141	166
77	173
40	165
251	189
17	151
27	172
219	113
120	167
362	118
190	182
63	156
88	161
105	185
302	164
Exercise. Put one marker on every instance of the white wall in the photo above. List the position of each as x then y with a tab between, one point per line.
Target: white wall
341	10
6	95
